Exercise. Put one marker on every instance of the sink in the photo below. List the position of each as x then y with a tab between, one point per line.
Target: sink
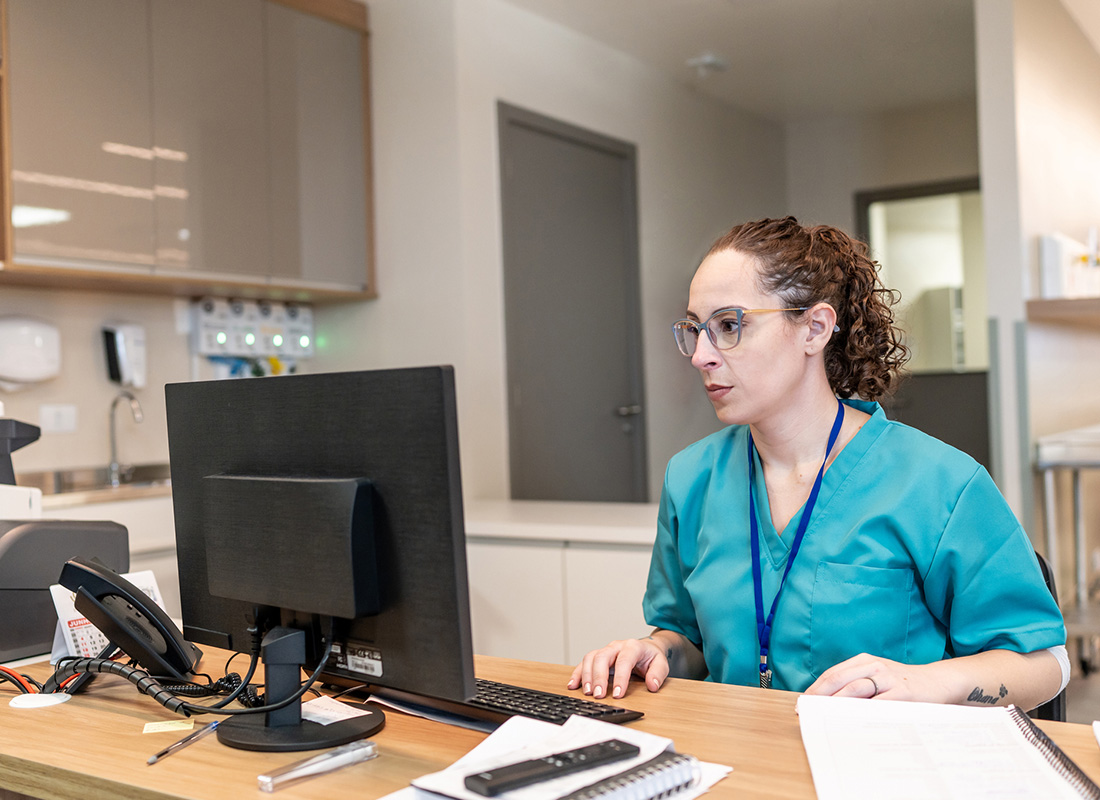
95	478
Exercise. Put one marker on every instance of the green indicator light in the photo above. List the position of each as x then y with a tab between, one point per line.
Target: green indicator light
277	340
304	341
221	337
250	339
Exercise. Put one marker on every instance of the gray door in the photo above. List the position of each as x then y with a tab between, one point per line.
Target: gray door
576	420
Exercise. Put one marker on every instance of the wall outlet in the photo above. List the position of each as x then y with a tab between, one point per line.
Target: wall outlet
181	309
57	418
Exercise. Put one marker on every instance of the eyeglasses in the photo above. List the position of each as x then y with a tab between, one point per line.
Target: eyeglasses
723	327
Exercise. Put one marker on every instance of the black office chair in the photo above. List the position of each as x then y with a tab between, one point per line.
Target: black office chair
1055	708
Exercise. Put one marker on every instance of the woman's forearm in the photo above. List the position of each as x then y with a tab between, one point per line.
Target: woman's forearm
1002	677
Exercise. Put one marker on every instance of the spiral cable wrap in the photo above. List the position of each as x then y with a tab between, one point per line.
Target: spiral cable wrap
237	687
145	683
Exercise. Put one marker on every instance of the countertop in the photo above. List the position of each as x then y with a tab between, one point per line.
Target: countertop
1075	448
81	486
605	523
106	495
540	520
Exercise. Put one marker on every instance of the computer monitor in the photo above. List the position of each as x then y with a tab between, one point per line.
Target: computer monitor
326	501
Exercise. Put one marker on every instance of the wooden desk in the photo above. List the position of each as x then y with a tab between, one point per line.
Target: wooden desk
93	747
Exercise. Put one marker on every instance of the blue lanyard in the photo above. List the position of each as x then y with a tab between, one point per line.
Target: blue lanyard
764	626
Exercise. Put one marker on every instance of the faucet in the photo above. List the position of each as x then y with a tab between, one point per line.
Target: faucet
113	470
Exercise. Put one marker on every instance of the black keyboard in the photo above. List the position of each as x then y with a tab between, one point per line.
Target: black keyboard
496	702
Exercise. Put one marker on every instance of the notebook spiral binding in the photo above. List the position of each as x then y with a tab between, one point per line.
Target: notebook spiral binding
1055	756
656	779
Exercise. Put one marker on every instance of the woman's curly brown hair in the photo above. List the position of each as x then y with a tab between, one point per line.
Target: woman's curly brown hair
804	266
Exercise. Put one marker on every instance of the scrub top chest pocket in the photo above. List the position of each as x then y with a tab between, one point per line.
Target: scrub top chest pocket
859	609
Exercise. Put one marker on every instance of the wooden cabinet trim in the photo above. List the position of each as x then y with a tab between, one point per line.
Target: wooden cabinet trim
50	277
1079	311
368	163
5	141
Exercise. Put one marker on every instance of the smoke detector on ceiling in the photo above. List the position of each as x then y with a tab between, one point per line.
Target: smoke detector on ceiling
706	63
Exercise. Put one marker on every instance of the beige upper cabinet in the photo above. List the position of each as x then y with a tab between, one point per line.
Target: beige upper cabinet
82	168
316	108
208	115
207	145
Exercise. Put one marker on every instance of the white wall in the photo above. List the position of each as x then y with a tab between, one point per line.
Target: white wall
1039	104
1057	93
830	159
1004	255
1058	126
439	70
1057	83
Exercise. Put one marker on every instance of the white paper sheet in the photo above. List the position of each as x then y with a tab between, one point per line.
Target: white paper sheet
892	750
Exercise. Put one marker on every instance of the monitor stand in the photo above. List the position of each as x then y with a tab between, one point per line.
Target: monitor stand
284	730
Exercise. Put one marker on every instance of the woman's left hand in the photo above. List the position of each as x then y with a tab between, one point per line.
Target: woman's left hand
871	676
992	677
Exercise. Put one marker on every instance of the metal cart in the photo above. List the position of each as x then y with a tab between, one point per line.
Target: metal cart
1072	451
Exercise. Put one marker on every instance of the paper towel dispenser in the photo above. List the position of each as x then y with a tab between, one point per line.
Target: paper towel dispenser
30	351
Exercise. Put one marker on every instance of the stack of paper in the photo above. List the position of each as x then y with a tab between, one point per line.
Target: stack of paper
522	738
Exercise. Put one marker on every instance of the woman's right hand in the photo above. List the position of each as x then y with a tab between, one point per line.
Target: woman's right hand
646	658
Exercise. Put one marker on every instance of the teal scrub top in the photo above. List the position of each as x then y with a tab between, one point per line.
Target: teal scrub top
911	554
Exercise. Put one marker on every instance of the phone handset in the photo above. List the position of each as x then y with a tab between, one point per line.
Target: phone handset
130	619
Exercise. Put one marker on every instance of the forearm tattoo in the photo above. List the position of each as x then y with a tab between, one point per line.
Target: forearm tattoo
978	695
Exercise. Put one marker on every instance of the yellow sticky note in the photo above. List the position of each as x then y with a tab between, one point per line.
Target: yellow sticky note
170	725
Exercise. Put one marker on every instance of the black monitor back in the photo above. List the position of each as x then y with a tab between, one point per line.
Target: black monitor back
952	406
396	429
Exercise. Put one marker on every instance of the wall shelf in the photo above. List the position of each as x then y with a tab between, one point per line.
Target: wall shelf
1080	311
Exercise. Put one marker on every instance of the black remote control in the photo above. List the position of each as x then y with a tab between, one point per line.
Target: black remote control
500	779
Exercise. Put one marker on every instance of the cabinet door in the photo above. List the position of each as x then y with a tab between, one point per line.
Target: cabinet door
318	163
209	121
81	138
516	599
604	585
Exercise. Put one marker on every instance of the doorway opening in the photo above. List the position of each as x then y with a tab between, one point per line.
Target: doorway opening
929	242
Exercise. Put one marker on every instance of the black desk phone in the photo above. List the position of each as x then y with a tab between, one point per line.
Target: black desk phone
130	619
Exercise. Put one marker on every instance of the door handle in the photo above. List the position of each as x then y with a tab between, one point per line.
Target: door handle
628	411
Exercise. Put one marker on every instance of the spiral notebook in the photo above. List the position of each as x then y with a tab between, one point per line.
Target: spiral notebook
889	749
663	776
656	773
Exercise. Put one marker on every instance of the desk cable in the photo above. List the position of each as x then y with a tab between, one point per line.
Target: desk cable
151	686
70	668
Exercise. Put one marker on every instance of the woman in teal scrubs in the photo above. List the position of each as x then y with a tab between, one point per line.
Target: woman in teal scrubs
813	544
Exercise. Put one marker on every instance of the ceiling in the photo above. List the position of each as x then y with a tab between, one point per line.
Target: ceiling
793	59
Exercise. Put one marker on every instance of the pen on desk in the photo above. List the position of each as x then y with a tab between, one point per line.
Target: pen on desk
190	738
353	753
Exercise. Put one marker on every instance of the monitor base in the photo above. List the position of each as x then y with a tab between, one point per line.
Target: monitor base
251	732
